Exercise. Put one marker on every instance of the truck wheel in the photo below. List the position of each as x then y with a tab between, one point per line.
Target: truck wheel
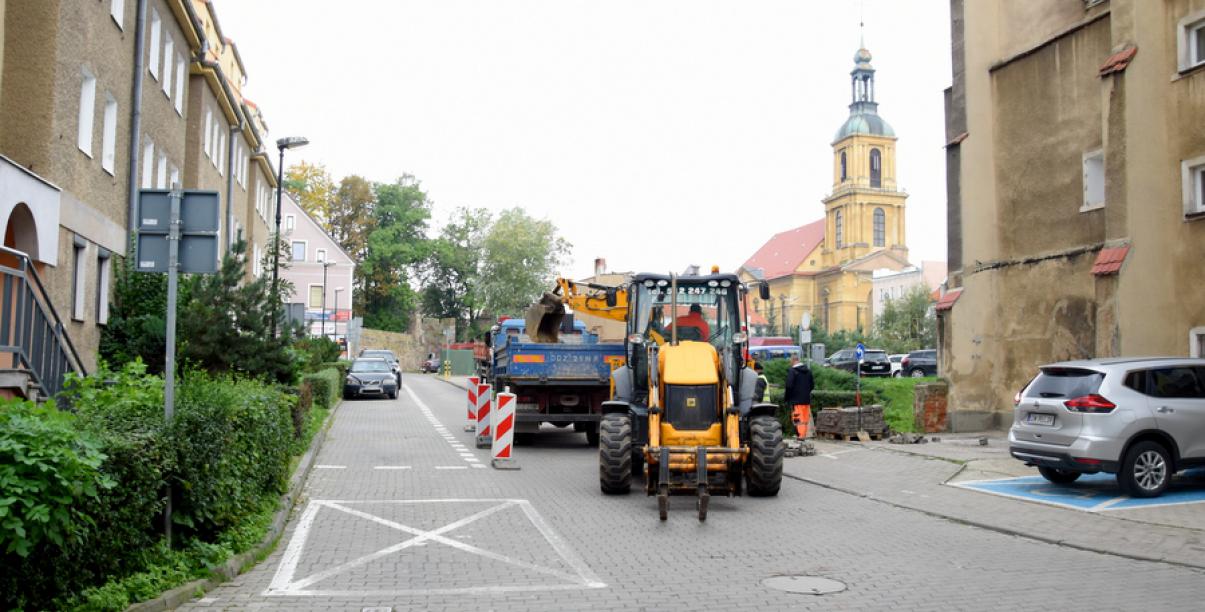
592	434
764	473
615	454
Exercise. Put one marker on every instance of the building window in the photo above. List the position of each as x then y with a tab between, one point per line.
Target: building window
880	227
207	145
298	250
315	297
161	173
180	84
154	49
258	266
148	164
168	52
1094	180
108	145
290	223
876	168
1192	172
1190	38
840	230
174	180
103	259
844	168
78	286
117	9
320	255
1196	342
221	153
87	110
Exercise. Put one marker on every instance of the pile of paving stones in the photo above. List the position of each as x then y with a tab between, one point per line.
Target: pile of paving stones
847	421
800	448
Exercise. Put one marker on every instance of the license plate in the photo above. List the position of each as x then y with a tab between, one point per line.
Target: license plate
371	388
1036	418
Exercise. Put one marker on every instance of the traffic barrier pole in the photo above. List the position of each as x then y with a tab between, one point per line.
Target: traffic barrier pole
471	425
484	397
504	433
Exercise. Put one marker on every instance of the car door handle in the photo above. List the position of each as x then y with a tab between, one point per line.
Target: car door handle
1165	410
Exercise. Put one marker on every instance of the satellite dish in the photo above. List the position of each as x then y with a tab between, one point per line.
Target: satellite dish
806	323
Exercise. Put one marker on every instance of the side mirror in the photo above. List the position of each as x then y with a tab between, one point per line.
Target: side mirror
612	298
763	291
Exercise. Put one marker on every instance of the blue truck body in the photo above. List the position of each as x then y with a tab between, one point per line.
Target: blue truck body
563	383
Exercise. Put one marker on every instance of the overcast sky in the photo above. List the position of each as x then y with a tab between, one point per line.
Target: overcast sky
653	133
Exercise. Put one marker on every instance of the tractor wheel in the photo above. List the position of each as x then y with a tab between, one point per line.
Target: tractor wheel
615	454
765	456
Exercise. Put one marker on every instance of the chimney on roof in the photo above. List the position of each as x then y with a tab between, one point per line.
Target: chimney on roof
600	266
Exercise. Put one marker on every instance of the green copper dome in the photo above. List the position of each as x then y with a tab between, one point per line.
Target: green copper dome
863	110
864	123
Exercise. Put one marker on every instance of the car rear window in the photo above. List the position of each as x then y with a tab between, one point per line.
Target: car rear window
1065	382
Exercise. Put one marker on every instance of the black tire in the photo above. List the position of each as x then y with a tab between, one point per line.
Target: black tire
615	454
917	373
1146	470
1058	476
592	434
393	395
766	449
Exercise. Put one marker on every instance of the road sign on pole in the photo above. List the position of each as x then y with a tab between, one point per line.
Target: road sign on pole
177	232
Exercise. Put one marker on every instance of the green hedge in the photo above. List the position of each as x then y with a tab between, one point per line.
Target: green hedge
326	386
105	469
342	366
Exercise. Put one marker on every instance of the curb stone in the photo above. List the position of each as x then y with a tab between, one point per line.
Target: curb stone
174	598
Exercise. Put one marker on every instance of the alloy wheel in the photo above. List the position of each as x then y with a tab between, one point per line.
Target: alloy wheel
1150	470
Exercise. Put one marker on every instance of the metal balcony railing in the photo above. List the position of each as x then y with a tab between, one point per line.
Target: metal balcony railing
32	337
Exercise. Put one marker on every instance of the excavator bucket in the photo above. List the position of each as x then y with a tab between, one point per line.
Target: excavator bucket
544	319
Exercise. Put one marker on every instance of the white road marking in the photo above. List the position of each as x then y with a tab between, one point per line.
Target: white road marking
451	467
440	429
283	583
477	465
330	467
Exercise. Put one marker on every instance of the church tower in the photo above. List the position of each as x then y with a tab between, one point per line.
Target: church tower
865	211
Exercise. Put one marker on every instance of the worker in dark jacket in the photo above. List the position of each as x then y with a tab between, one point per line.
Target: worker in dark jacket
759	390
799	395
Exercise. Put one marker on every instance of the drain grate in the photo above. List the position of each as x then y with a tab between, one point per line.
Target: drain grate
806	585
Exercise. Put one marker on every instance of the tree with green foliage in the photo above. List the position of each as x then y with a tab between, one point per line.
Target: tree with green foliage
520	256
137	327
397	245
908	323
226	323
350	220
451	275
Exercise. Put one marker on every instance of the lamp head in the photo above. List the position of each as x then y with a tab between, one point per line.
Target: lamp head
292	142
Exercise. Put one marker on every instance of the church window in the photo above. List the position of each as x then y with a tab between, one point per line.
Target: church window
880	227
876	168
840	230
844	168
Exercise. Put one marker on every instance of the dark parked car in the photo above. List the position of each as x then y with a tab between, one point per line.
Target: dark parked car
388	356
874	363
370	376
919	363
431	363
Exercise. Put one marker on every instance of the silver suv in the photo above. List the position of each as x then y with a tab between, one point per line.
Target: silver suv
1141	419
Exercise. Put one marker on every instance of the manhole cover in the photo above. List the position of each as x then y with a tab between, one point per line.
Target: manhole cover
807	585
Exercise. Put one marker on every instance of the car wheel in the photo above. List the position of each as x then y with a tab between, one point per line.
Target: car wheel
1058	476
1146	470
917	373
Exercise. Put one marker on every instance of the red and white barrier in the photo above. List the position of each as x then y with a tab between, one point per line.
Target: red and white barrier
504	433
471	425
484	399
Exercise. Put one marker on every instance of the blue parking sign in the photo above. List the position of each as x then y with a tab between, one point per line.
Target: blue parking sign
860	351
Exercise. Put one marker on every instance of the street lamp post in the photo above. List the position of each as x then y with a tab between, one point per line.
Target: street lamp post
335	329
292	142
325	264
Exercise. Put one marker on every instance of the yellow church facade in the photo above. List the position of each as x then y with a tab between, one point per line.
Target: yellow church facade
825	268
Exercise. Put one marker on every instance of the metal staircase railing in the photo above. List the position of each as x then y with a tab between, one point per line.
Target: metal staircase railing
32	336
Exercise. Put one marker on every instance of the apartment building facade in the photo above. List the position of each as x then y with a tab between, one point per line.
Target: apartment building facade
321	273
1076	190
98	99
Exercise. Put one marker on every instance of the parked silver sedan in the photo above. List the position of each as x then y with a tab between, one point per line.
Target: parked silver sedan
1141	419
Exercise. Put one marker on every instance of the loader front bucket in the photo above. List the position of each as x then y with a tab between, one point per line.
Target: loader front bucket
544	319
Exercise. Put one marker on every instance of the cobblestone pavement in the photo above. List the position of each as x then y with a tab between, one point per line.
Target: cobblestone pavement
398	518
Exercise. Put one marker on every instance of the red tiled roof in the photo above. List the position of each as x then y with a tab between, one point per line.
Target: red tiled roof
1118	61
947	301
783	253
1108	261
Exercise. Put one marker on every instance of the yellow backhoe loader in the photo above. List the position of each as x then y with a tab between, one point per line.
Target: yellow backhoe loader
681	411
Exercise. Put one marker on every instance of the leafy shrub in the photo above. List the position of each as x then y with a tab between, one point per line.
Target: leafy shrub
327	386
342	366
842	399
301	410
317	351
232	438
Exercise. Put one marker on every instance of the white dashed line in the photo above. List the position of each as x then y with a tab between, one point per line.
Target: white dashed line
457	445
451	467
